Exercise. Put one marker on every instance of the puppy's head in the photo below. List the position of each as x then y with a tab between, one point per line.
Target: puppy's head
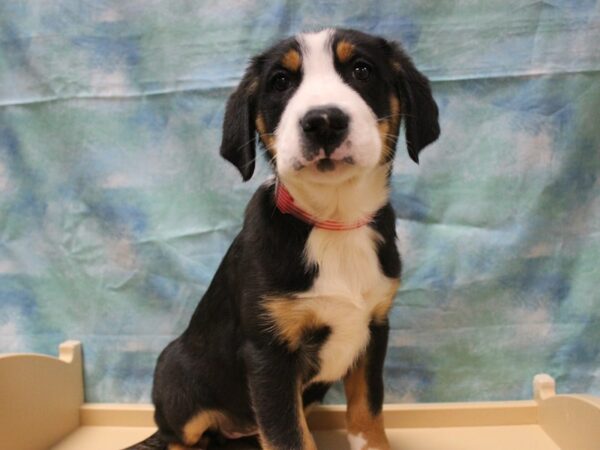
327	106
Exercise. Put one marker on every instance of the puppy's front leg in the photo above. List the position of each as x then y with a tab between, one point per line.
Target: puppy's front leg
275	390
364	394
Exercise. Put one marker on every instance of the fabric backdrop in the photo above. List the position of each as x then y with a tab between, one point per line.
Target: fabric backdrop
115	208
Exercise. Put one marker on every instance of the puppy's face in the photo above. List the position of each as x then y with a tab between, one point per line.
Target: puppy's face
327	106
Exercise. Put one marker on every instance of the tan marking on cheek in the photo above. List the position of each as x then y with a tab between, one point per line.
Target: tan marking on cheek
288	319
359	419
394	109
381	310
197	425
292	60
267	139
386	150
388	129
344	51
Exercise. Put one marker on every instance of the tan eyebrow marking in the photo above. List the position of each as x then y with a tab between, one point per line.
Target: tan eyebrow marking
292	60
344	51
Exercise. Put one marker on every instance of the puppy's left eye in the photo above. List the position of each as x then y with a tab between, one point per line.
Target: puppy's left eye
281	81
361	71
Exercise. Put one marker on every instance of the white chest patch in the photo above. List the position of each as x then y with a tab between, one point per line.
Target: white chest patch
350	284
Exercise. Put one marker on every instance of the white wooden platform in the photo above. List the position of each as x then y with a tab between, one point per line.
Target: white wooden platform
41	408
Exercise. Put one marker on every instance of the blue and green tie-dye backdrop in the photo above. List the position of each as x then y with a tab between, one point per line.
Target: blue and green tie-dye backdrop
115	208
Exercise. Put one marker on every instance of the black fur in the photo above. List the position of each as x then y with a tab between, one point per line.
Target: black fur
420	109
375	357
239	143
394	72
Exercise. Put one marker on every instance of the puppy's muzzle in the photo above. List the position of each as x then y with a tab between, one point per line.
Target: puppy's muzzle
323	128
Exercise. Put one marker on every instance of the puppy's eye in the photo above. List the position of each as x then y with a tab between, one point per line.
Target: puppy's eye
281	81
361	71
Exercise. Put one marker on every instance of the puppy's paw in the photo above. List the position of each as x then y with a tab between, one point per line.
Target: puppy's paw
361	442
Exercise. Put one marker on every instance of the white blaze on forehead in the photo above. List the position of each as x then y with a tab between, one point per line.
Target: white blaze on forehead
317	55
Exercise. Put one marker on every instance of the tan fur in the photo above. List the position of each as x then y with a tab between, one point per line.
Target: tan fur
381	310
292	60
359	419
266	138
290	318
197	425
383	127
177	447
307	439
344	51
388	129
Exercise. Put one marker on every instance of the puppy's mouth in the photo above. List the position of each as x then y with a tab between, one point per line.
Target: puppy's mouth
328	164
324	163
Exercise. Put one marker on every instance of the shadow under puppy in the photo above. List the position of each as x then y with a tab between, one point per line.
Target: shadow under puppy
301	298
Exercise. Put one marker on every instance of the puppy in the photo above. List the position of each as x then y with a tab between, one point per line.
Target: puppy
302	296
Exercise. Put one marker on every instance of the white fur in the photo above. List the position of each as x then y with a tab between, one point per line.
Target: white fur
349	200
349	286
357	441
321	85
350	283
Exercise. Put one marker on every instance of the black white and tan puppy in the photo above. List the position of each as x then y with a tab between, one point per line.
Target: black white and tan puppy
302	296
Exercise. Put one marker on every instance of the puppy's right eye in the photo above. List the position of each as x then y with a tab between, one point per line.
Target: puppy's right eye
281	81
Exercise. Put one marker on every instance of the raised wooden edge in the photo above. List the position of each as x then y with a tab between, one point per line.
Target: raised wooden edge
572	421
40	393
331	417
116	414
69	352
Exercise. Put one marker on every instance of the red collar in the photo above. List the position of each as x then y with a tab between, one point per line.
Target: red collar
286	205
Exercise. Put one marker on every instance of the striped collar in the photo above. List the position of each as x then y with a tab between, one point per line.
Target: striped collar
286	205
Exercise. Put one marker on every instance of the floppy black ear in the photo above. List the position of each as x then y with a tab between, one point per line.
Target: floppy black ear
238	145
420	111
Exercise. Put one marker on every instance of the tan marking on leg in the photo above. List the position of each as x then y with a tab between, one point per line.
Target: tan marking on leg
292	60
267	139
197	425
289	319
381	310
344	51
177	447
359	419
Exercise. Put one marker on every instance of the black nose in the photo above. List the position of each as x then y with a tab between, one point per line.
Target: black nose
325	127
